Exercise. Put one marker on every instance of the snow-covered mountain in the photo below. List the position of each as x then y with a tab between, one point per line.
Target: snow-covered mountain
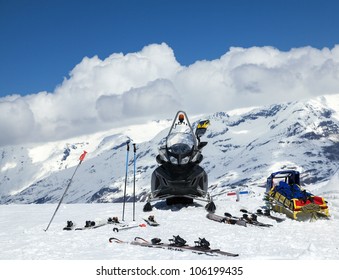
245	146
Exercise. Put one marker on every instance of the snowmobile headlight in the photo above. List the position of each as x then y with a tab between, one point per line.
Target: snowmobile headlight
173	160
185	160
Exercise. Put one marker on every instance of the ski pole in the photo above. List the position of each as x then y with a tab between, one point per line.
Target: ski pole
82	157
135	150
123	206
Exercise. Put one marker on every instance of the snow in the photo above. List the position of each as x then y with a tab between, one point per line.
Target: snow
23	237
8	165
241	153
331	102
262	251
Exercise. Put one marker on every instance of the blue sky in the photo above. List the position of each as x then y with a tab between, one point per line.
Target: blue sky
42	41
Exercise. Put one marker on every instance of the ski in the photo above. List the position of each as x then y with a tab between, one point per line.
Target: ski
91	225
117	229
151	221
252	220
265	213
177	244
226	219
249	220
97	224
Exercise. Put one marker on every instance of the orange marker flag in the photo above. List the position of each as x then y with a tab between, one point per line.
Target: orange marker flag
82	157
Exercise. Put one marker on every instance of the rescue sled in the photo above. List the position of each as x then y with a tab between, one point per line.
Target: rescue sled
284	195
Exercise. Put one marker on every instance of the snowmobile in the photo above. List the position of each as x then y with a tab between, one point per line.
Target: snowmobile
179	179
284	195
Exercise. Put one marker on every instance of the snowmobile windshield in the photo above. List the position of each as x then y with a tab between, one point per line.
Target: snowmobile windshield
180	144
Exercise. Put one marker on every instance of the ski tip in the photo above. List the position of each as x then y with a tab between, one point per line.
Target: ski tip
138	239
116	240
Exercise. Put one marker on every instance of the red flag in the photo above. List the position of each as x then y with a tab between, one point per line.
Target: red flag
82	157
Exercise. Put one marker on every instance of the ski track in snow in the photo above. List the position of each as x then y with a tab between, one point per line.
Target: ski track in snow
22	235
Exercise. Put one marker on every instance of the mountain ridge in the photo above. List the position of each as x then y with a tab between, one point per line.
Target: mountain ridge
243	149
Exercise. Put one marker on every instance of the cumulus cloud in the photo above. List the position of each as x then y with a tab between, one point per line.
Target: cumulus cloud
99	94
16	122
258	76
155	99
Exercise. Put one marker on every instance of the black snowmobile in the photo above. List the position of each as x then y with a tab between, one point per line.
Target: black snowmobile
179	178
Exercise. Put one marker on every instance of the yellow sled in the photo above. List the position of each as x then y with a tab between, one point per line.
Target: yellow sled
309	207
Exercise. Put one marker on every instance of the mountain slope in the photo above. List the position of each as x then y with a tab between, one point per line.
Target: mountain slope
244	148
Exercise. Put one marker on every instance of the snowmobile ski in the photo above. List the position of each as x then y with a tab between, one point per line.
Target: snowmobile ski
117	229
177	244
226	219
265	213
151	221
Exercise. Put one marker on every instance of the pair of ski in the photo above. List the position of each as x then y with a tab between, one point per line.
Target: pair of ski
265	213
177	244
93	224
114	221
246	219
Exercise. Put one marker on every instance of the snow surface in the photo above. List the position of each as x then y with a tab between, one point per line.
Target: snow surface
22	235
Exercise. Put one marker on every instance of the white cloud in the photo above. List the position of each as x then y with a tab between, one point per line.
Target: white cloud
16	121
101	93
154	99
